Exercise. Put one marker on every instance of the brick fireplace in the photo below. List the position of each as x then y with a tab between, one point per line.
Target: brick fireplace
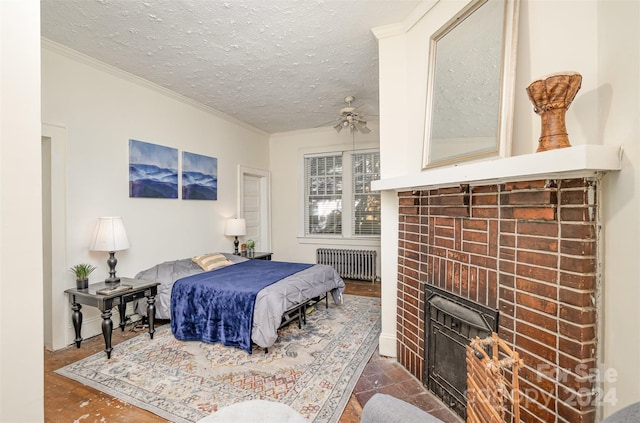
529	250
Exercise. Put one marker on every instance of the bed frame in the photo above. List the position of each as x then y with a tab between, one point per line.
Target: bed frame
299	312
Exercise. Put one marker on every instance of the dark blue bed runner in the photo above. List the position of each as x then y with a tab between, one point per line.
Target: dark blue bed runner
217	306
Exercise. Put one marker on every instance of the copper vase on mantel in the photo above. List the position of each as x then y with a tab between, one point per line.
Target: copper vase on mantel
551	97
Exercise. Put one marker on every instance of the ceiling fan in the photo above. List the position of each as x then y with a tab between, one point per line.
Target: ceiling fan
350	118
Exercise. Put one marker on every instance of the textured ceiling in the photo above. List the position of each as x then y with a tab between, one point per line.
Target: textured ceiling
278	65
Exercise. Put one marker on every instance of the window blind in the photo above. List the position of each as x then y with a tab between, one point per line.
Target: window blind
323	196
365	218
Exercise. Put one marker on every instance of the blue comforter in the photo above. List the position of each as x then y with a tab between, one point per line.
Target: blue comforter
217	306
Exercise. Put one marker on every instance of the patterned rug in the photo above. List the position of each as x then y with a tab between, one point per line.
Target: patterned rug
313	369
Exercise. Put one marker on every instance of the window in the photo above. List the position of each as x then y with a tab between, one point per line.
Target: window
323	179
339	203
366	204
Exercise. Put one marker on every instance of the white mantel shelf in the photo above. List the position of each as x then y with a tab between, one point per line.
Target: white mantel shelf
571	162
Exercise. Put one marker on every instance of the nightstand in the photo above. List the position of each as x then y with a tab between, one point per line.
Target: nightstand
258	255
105	302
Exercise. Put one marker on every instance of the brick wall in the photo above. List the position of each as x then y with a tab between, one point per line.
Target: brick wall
528	249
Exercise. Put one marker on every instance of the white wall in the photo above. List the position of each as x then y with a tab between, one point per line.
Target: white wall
287	179
618	99
21	302
101	109
396	152
595	38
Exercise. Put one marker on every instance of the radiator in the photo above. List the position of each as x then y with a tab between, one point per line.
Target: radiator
350	264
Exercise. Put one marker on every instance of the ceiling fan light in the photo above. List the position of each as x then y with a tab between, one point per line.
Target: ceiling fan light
350	119
363	127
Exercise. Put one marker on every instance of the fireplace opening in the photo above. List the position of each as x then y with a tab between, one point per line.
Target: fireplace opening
451	322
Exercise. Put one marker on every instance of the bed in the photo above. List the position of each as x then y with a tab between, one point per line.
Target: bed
186	280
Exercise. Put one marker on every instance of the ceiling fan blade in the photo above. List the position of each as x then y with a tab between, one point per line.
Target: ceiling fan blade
329	123
358	107
360	112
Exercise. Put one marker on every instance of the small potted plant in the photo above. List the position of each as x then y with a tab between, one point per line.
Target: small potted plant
82	272
250	246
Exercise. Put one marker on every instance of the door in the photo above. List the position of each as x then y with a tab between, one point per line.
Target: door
254	206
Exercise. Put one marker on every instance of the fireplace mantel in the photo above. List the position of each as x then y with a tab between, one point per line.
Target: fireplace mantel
572	162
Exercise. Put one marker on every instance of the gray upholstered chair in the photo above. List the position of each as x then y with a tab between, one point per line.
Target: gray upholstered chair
382	408
629	414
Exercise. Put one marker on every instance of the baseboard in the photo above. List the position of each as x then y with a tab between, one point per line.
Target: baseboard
387	345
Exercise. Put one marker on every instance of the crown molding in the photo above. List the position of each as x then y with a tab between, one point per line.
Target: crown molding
409	22
390	30
119	73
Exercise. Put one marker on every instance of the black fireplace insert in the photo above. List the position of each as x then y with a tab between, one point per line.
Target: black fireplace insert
451	322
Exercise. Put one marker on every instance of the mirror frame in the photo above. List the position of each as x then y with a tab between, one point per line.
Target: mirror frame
507	83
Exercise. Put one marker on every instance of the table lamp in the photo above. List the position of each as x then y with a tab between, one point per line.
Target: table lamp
109	235
235	228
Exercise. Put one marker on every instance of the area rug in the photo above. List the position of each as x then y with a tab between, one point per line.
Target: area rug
313	370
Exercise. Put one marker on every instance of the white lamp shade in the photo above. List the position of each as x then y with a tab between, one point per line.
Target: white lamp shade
236	227
109	235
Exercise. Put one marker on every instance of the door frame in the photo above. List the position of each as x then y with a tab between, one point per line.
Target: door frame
56	309
265	200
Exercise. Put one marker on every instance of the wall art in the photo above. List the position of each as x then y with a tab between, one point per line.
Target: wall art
153	170
199	177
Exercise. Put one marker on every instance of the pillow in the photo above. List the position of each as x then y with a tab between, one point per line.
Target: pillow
234	258
211	261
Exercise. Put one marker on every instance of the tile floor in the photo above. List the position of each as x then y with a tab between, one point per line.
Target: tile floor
387	376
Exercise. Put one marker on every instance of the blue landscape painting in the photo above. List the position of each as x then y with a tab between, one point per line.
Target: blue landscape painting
199	177
153	170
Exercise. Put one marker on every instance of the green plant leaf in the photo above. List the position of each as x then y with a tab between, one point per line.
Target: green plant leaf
82	270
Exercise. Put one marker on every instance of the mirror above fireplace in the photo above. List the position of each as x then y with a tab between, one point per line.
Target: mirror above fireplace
470	81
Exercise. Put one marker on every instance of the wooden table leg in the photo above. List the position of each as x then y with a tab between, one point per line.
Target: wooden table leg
76	318
122	309
107	328
151	314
